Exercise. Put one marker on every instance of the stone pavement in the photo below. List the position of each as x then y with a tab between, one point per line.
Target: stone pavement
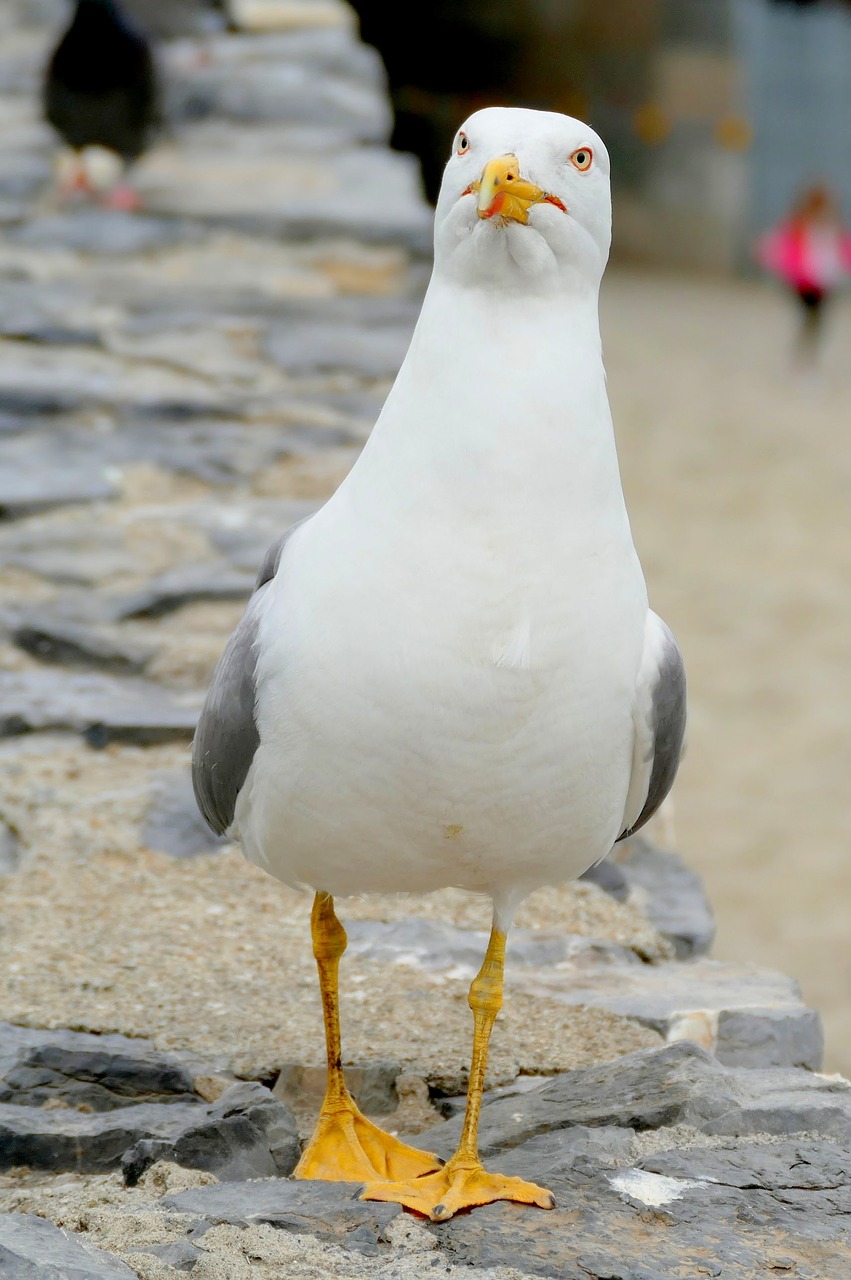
176	387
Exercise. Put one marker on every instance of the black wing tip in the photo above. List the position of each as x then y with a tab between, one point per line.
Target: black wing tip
670	731
205	792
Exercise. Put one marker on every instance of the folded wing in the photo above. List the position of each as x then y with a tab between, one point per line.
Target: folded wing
659	715
226	737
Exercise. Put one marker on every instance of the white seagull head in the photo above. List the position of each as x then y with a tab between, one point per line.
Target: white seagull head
525	203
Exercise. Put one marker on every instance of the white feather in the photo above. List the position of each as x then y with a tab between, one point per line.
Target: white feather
515	650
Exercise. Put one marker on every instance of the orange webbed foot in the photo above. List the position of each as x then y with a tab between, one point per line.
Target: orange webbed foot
460	1184
346	1147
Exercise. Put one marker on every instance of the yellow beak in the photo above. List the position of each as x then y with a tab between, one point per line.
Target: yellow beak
503	193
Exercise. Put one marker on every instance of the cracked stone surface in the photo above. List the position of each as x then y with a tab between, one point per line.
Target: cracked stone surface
675	898
75	1101
665	1155
31	1246
695	1206
680	1084
100	707
95	1073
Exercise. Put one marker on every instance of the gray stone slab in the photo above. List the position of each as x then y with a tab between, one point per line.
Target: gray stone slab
799	1164
173	823
677	1084
22	176
103	231
215	450
14	423
292	93
186	584
670	892
331	50
100	1072
36	475
558	1153
437	946
754	1015
348	311
245	1134
76	644
634	1223
321	346
86	1142
454	1104
174	409
74	561
220	452
30	403
44	382
103	708
366	193
746	1209
330	1210
52	314
180	1254
607	875
32	1248
66	549
770	1037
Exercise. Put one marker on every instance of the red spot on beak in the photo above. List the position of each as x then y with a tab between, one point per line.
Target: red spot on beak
495	206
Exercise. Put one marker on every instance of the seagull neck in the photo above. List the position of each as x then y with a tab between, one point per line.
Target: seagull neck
499	380
497	432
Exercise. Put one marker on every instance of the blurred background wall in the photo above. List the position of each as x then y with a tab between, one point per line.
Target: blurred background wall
716	112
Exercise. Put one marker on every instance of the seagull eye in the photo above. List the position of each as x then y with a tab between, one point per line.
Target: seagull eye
581	158
463	144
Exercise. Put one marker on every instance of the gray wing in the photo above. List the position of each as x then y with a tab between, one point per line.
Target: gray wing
660	723
226	737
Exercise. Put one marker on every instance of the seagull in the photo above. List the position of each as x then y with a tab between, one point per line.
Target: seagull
101	95
449	675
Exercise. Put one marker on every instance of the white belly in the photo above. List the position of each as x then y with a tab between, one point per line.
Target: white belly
422	725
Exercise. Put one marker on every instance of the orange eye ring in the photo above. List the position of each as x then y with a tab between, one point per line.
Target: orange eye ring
581	159
463	145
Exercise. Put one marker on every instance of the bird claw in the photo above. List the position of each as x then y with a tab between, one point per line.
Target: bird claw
458	1185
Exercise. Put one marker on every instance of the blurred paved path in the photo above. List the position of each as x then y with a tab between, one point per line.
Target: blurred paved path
738	472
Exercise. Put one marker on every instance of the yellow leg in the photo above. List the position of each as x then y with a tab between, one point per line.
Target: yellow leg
463	1182
346	1147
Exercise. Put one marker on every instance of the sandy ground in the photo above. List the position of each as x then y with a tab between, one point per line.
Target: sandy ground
736	467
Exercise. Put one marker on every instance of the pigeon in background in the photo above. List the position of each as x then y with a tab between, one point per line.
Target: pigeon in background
101	95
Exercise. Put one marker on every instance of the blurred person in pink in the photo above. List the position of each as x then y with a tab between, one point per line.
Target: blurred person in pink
810	251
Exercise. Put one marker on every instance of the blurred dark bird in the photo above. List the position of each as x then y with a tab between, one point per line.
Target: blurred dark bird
101	95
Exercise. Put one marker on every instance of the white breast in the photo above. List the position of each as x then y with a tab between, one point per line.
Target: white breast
416	739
